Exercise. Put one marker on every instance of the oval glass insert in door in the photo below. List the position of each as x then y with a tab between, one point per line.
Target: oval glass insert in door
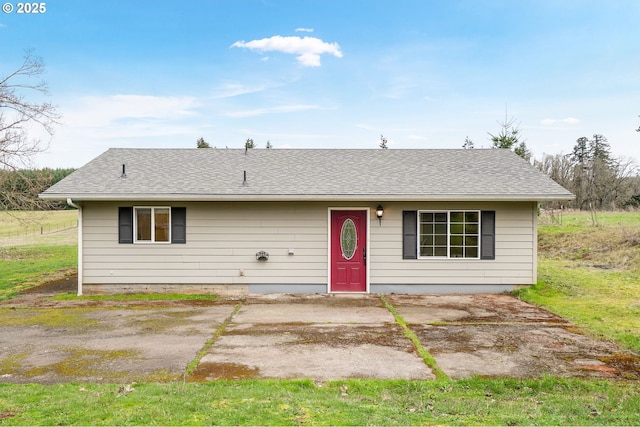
348	239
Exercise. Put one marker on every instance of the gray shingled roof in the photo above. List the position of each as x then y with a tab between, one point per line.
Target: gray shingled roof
307	174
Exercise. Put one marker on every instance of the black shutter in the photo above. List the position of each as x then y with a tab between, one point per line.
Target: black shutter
125	224
409	235
178	225
488	240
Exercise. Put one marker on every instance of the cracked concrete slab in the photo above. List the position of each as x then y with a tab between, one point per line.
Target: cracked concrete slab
322	337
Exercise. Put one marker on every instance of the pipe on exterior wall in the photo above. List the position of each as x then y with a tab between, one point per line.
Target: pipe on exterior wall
79	207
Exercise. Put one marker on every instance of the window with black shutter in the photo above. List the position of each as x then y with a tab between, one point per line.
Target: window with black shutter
448	234
152	224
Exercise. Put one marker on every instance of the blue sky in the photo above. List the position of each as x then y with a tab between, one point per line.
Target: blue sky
332	74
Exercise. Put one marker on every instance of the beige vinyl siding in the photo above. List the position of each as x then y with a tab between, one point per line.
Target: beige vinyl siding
223	238
515	249
222	241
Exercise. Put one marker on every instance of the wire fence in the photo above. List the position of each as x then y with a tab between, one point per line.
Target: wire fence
43	229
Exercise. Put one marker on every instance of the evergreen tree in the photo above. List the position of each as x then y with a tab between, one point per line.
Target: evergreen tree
509	138
201	143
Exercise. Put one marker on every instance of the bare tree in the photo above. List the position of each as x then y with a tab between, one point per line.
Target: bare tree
23	116
20	116
559	167
468	144
597	178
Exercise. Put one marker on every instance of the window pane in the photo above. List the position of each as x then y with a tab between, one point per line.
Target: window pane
441	229
426	217
471	216
143	224
426	229
457	228
426	240
439	251
440	217
471	252
162	224
456	252
457	216
441	240
426	251
471	240
471	229
457	240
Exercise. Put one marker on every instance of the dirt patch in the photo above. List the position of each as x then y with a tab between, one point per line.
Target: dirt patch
218	371
66	284
8	414
625	365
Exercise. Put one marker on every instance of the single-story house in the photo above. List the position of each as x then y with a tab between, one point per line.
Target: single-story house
306	220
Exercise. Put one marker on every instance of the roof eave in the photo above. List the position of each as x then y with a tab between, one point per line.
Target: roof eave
308	197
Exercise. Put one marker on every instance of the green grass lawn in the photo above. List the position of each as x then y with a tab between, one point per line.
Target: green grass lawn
591	274
588	274
302	402
22	267
28	257
29	223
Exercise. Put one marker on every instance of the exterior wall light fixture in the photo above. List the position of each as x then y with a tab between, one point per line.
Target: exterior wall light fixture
379	213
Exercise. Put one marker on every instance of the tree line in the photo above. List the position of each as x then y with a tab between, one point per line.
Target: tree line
19	189
599	180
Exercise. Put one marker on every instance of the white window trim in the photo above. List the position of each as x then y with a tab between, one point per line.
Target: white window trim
448	212
153	225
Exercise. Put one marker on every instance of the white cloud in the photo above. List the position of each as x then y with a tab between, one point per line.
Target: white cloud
304	30
230	90
565	121
273	110
104	110
307	49
90	124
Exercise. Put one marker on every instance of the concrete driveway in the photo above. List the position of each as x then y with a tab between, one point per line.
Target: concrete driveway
322	337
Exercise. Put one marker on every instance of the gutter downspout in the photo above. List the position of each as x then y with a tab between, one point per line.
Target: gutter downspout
80	245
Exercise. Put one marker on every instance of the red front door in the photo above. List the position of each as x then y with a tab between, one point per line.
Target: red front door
348	251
